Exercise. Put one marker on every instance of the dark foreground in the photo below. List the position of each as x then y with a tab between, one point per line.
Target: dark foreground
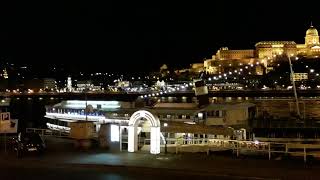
62	161
107	172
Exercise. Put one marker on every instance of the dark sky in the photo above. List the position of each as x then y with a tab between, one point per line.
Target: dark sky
143	35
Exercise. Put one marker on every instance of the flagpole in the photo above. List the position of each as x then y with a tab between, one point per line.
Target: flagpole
294	87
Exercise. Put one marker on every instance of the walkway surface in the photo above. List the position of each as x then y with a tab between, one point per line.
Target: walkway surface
61	154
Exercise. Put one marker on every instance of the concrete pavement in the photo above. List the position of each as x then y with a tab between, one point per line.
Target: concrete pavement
226	165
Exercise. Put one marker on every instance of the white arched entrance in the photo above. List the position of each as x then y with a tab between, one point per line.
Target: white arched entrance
154	133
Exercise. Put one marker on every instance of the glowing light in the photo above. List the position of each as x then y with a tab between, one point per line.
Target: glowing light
115	133
132	140
165	124
155	140
256	142
82	104
189	122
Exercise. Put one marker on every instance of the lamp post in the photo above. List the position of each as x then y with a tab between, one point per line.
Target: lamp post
165	145
165	139
86	99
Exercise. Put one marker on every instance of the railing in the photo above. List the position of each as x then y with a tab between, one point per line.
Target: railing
238	147
47	132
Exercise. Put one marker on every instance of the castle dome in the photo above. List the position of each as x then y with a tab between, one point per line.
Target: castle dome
312	31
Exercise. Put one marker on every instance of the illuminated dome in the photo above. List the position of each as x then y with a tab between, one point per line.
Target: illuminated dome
312	31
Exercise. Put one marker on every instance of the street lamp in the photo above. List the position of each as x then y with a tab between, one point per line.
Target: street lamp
165	139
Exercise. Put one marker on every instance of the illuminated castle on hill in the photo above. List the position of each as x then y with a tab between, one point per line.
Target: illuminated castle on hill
264	54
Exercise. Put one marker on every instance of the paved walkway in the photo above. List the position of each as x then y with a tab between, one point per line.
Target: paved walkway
224	165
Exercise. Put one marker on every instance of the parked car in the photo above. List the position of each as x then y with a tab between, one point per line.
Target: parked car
27	143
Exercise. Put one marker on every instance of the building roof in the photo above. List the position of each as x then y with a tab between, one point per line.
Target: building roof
274	42
312	31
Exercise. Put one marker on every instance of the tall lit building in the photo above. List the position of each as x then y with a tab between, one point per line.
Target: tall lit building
5	73
270	49
265	53
69	84
225	54
311	46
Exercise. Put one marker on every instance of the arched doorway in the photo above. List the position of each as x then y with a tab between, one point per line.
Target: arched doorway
154	131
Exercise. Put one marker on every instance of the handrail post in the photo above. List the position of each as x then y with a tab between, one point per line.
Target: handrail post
304	154
238	146
269	150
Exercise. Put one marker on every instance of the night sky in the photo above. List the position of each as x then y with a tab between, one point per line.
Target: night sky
123	36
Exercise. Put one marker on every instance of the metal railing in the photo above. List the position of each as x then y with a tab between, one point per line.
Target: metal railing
238	147
47	132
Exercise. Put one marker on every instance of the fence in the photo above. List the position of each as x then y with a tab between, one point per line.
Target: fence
47	132
245	147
